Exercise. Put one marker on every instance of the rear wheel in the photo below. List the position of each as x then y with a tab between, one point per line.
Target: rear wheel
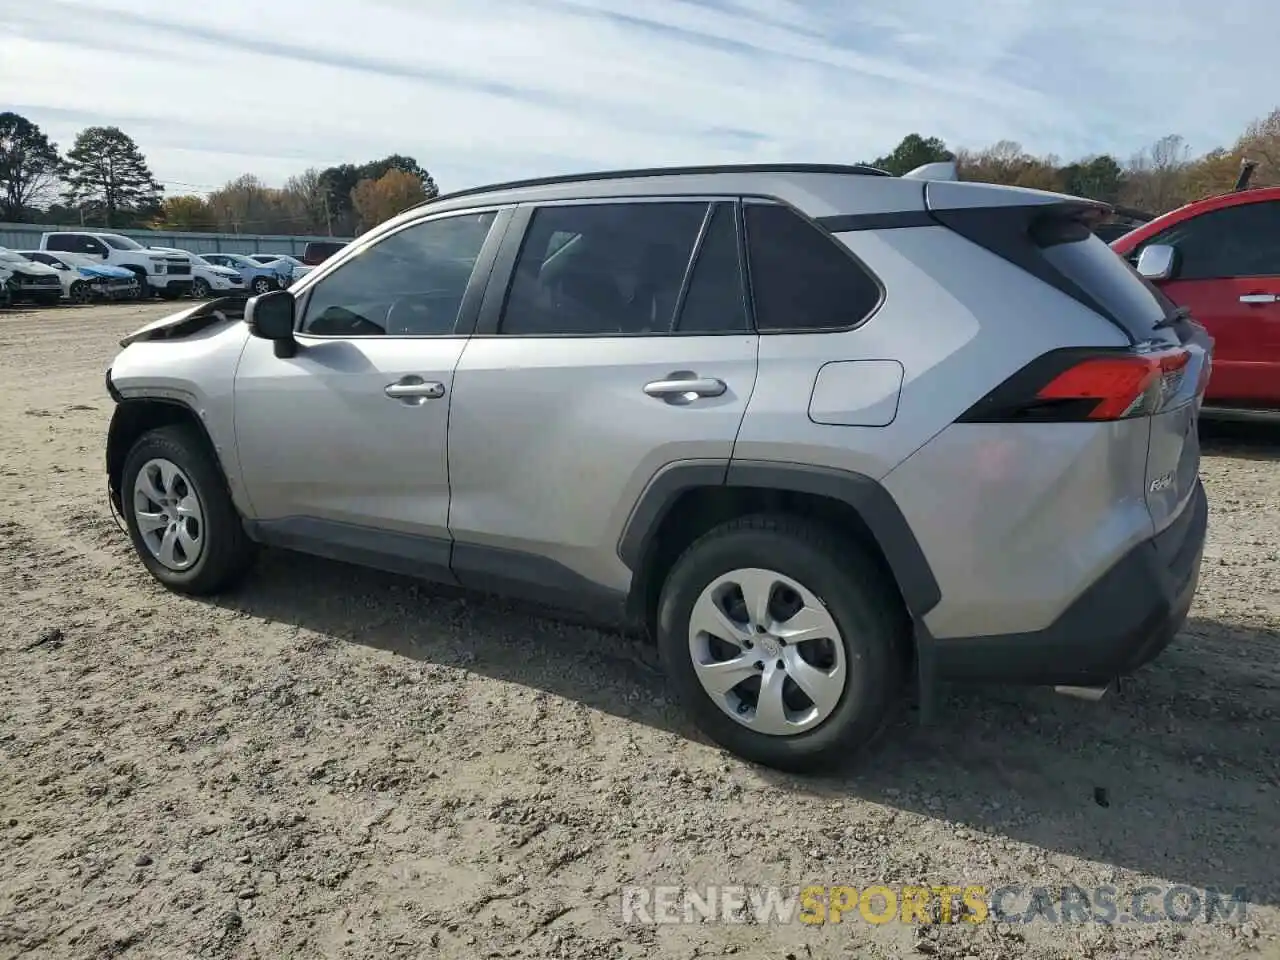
785	643
183	523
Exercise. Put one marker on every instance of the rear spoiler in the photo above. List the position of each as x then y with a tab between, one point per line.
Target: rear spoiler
943	170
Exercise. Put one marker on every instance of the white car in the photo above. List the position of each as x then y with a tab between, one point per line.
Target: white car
295	267
25	279
168	275
209	279
85	279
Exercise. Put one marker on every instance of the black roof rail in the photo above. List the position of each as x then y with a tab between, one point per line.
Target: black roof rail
837	168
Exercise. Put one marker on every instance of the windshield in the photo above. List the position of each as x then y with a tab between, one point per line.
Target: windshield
199	261
118	242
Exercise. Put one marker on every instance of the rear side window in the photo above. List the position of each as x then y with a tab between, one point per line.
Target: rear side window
802	278
602	269
1110	280
61	241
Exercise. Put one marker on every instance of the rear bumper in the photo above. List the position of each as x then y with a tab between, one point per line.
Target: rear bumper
1116	626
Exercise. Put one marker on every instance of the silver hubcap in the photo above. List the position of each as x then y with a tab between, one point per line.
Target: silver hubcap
767	651
261	286
168	513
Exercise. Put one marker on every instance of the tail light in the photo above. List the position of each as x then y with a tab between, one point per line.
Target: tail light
1073	385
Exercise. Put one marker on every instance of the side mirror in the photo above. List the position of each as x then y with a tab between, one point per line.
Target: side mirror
1157	262
270	316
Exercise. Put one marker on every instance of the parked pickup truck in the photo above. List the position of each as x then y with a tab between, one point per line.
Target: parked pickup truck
168	275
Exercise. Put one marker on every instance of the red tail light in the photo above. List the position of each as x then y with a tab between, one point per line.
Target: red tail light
1075	385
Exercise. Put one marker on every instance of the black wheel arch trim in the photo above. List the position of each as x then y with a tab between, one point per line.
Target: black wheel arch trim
123	421
872	502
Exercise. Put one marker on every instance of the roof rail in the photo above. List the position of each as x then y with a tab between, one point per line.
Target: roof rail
858	169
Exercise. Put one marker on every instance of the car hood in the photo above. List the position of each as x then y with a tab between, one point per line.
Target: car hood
32	269
111	273
220	271
170	252
186	322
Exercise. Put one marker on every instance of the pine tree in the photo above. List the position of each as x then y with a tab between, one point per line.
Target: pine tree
107	173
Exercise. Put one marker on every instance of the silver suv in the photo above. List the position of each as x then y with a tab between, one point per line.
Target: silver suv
819	429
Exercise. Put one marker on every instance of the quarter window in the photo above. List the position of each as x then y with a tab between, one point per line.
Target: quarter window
408	284
801	278
1240	241
604	269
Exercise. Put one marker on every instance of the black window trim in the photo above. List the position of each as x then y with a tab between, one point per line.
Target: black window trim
744	240
488	323
471	297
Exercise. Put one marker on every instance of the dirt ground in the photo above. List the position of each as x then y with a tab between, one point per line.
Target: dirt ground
340	763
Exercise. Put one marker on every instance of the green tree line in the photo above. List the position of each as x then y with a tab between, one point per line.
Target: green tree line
104	180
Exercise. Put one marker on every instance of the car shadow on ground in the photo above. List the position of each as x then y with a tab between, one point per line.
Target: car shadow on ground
1246	439
1171	776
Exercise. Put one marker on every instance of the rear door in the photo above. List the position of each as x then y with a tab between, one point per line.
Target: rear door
620	344
1228	275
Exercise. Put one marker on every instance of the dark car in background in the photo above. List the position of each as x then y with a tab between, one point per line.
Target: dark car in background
318	251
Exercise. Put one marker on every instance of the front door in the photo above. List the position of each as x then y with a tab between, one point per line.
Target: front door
1228	274
345	443
622	345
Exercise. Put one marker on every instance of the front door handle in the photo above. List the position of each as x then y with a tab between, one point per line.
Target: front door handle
414	389
684	386
1259	298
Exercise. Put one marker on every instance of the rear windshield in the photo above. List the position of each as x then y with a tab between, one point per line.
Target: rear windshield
1100	272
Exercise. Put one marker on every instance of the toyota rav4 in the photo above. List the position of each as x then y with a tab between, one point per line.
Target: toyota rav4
819	429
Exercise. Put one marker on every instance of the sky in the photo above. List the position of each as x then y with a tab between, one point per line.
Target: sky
485	90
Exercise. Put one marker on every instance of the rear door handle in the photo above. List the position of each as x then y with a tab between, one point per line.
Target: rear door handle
1259	298
414	389
684	387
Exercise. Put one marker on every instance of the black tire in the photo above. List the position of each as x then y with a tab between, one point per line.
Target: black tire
262	285
200	288
80	292
144	288
227	553
865	605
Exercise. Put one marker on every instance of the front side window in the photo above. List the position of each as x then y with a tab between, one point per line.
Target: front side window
602	269
1239	241
121	243
410	283
801	277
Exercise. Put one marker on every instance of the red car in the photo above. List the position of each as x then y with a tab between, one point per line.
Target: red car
1220	258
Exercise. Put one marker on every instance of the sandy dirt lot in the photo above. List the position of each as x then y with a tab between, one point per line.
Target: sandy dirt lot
339	763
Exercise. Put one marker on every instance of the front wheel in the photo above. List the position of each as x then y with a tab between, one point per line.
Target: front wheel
183	523
199	288
262	285
80	292
785	643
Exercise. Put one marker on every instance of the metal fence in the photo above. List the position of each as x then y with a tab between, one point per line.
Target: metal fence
26	236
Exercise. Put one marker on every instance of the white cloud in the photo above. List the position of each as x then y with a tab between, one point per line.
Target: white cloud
479	90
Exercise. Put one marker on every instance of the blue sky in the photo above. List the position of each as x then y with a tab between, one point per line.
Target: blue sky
480	90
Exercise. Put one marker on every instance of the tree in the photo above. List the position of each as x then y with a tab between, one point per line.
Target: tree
914	151
304	200
108	175
1098	178
1158	176
189	213
340	181
29	166
377	200
1006	162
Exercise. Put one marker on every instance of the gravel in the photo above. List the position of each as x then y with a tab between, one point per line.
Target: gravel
333	762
